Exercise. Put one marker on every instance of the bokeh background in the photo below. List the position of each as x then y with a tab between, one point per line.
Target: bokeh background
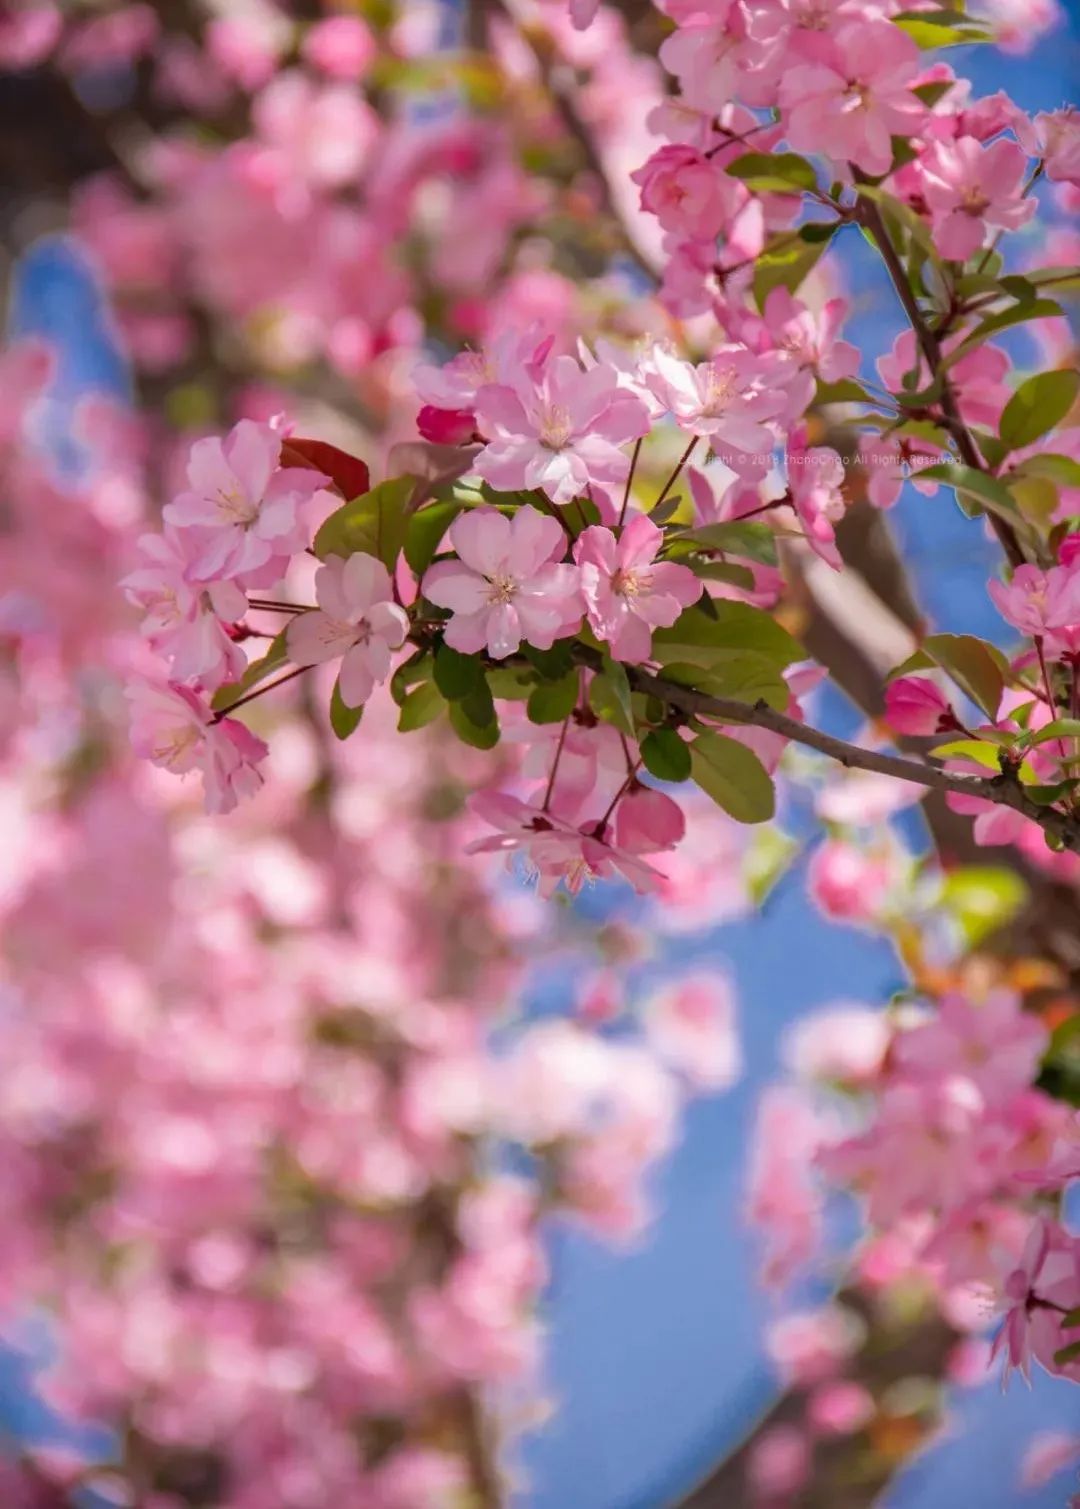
656	1366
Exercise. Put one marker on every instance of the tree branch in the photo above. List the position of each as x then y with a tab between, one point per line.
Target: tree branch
1004	789
870	216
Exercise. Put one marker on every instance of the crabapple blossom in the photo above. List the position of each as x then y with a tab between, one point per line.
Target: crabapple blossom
916	705
560	429
357	621
691	1026
815	476
1054	136
969	187
627	592
992	1043
689	193
1044	1285
732	399
555	851
171	727
850	105
186	622
251	512
508	583
1038	602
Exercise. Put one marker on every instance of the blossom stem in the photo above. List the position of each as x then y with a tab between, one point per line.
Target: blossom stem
555	764
870	216
630	480
671	481
260	691
1049	685
617	798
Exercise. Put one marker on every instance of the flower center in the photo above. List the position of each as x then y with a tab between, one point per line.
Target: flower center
719	390
501	588
235	508
973	201
556	427
630	583
174	745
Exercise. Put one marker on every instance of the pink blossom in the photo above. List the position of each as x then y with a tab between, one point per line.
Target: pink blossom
732	398
186	622
842	1043
977	379
691	1025
994	1043
340	46
508	583
1047	1454
559	429
172	728
446	426
815	478
29	33
1046	1283
811	1346
916	705
1036	601
840	1408
968	187
356	619
626	594
1054	136
554	850
688	193
322	133
779	1463
251	512
811	336
849	883
850	107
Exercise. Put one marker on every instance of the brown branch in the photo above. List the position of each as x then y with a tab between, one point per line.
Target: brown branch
870	216
1004	790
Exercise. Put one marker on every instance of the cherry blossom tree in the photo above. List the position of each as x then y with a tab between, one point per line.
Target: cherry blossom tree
500	483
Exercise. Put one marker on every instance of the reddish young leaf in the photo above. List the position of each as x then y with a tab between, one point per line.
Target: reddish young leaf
348	473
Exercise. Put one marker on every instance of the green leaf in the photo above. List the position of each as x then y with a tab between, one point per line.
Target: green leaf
418	667
1067	1354
754	542
787	262
666	755
774	172
722	571
481	735
845	390
1019	314
987	491
1061	728
1037	406
456	675
969	749
552	701
510	683
733	776
420	706
983	899
609	696
1063	470
256	671
552	664
944	28
741	675
979	669
698	639
425	531
375	522
344	720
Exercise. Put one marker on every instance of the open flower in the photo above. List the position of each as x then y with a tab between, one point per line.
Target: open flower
558	429
356	620
1036	601
250	509
507	584
173	728
851	107
556	851
185	621
627	592
728	398
969	187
